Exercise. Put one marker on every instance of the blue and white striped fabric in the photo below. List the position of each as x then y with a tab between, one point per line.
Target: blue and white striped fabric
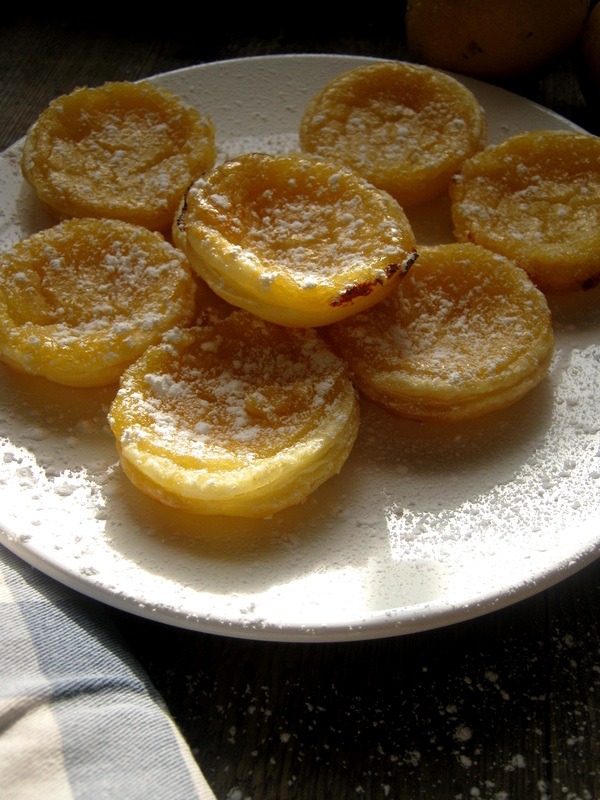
78	716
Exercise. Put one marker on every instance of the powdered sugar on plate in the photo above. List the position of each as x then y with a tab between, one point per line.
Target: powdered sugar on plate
423	527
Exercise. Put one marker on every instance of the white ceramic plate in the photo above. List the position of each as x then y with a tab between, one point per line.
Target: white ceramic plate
425	526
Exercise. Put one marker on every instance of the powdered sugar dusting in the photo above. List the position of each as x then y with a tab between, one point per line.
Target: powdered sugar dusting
298	216
424	526
222	391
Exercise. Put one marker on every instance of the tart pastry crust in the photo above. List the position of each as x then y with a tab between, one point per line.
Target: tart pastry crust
406	128
535	198
465	333
239	417
122	150
82	300
294	239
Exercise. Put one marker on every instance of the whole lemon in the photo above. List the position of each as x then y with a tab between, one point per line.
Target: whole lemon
492	39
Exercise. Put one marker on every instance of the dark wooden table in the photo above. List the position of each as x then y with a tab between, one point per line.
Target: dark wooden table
505	706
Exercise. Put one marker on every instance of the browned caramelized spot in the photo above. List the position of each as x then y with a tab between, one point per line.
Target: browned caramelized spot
591	282
184	204
406	265
349	295
365	288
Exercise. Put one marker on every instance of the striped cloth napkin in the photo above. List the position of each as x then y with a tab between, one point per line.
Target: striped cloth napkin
78	716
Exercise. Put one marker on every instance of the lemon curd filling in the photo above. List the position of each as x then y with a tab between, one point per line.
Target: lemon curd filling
405	128
464	334
535	198
294	239
121	150
238	417
82	300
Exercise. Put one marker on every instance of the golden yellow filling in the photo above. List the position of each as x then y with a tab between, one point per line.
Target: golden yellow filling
535	198
122	150
464	334
239	417
404	127
82	300
294	239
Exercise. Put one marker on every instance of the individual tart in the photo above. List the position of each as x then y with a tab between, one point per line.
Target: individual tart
238	417
465	333
406	128
294	239
535	198
82	300
121	150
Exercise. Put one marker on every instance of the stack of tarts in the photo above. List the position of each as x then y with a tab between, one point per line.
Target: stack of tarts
245	306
